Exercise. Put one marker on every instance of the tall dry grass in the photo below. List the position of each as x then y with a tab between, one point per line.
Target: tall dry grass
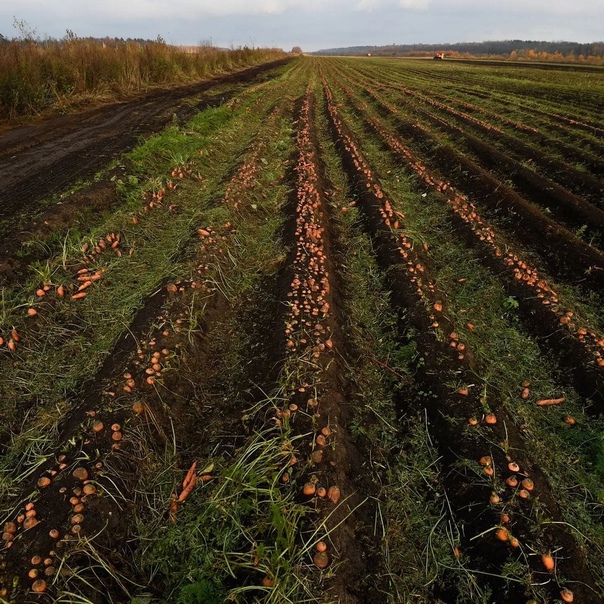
36	76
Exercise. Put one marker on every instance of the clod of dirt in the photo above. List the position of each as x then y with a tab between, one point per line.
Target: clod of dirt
321	560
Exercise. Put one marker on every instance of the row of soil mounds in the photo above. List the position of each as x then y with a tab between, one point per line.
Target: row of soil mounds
470	502
569	256
542	320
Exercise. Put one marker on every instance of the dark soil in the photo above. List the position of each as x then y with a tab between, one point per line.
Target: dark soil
570	177
577	361
352	545
40	160
447	413
543	191
564	252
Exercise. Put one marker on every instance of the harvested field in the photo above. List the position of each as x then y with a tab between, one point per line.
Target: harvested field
332	334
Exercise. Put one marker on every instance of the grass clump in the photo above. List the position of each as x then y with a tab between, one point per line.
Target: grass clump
234	533
36	75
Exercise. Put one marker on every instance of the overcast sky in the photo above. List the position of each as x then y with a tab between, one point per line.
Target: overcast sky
311	24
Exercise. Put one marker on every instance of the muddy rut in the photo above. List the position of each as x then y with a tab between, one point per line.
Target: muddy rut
38	161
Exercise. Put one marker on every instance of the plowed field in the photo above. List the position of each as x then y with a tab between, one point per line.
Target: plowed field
334	333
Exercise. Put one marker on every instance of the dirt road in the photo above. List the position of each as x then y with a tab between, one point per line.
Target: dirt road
37	161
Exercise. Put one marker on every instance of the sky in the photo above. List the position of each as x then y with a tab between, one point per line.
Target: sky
310	24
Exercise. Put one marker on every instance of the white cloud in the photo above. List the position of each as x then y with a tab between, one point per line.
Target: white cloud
370	5
415	4
552	7
191	9
175	9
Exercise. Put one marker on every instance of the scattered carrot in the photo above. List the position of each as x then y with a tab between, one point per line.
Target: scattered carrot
80	473
512	481
548	561
187	490
490	419
550	401
528	484
89	489
567	595
190	475
78	296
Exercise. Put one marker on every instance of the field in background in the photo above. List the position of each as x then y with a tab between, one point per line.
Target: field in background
337	338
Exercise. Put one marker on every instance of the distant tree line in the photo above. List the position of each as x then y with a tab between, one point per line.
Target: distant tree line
71	37
508	49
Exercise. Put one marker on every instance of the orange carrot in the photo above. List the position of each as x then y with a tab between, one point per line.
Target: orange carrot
548	561
187	490
189	475
502	534
550	401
